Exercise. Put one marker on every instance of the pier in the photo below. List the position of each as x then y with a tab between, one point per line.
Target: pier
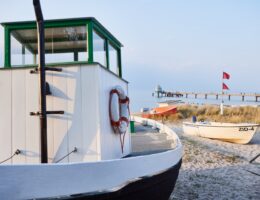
205	95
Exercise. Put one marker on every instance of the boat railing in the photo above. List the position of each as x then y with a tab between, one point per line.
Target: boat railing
171	135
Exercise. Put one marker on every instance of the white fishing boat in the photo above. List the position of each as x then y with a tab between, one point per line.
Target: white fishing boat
64	124
230	132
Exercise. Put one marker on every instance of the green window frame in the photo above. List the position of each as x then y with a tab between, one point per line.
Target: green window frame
89	23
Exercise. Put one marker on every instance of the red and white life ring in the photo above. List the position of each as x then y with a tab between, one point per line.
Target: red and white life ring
119	110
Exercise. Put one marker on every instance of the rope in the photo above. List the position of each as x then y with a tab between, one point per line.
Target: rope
252	172
73	151
17	152
252	160
122	141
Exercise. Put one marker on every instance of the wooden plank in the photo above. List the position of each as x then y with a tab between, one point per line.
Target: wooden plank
18	114
5	116
60	122
75	112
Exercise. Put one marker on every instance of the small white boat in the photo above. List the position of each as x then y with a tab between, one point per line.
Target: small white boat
230	132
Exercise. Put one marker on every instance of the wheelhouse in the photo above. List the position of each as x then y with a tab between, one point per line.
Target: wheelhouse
83	63
67	41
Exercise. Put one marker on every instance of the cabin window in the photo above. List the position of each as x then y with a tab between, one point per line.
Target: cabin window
21	53
99	49
62	44
113	59
67	42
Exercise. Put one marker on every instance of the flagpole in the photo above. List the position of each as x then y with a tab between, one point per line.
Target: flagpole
222	100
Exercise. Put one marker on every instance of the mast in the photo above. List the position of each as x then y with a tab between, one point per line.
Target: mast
42	113
42	80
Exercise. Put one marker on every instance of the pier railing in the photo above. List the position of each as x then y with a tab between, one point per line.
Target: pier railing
205	95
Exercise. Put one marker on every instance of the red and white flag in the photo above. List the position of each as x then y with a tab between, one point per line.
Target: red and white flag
224	86
226	75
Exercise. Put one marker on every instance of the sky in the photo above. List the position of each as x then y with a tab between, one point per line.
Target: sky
182	45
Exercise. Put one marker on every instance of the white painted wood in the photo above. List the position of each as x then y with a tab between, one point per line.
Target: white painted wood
5	115
60	122
171	135
50	131
83	93
108	81
32	122
90	118
39	181
19	114
75	135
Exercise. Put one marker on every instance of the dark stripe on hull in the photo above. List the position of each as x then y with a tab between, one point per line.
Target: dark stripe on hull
159	186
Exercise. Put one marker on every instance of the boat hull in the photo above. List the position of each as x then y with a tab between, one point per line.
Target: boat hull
235	133
142	176
138	177
158	186
161	111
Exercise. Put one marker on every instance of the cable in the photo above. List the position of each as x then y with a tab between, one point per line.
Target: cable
17	152
252	160
73	151
252	172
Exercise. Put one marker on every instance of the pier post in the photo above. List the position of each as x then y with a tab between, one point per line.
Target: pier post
243	98
229	97
256	98
217	96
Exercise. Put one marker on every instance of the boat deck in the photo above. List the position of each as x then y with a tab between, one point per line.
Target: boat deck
147	140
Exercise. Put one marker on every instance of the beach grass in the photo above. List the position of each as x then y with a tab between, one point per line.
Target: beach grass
212	113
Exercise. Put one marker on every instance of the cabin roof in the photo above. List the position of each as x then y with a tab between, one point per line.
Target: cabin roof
61	23
66	40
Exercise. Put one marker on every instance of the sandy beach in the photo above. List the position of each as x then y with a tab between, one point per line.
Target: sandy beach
214	169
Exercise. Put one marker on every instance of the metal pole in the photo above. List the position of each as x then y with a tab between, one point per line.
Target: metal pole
222	101
41	68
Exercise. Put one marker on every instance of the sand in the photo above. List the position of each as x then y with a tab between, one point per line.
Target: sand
213	169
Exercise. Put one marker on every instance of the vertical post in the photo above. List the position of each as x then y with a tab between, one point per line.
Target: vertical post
119	60
107	53
76	56
90	42
23	55
7	63
221	109
34	59
41	66
222	100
